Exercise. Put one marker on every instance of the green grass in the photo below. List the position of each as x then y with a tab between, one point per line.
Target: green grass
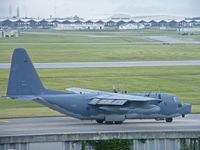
143	32
69	38
182	81
99	53
29	112
115	36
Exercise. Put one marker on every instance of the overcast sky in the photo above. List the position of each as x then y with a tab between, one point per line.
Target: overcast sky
92	8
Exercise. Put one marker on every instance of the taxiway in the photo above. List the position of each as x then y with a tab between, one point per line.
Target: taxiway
110	64
68	125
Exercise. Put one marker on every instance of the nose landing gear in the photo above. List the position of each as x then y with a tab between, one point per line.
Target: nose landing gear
169	119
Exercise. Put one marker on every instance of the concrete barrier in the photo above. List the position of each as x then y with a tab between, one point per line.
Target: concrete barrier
168	140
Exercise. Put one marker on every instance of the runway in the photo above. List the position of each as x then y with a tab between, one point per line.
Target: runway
110	64
68	125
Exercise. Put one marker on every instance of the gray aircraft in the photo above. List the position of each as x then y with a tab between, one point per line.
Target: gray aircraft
102	106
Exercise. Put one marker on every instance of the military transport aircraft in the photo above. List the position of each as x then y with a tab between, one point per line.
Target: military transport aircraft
102	106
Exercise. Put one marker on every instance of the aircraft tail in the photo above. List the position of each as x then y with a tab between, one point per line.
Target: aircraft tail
23	79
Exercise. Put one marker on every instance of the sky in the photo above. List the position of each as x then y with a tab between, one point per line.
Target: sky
99	8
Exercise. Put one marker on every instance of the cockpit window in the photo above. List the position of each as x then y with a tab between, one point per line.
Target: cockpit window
179	105
177	99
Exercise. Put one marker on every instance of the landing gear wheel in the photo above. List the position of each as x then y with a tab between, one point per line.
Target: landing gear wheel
99	121
118	122
109	122
169	119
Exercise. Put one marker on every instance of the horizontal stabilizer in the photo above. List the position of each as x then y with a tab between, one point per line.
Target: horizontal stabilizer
24	97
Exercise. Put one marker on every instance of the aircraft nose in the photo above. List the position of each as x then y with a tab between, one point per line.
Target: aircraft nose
187	108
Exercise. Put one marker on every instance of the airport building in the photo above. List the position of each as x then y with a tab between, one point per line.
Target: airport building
115	22
128	26
79	25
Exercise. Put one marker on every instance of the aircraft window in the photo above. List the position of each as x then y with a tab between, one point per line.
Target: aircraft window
177	99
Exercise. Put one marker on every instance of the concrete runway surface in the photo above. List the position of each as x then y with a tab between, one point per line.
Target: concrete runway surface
68	125
110	64
170	39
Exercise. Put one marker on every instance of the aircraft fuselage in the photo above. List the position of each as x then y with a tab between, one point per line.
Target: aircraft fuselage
77	105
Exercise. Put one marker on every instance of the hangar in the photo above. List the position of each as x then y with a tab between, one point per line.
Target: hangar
118	22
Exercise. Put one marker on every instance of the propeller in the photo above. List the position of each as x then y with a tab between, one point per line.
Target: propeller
145	93
159	94
114	89
125	89
117	90
149	93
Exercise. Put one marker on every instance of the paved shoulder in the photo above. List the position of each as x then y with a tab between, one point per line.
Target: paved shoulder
110	64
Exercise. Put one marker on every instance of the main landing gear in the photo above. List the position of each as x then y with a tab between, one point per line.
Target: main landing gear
109	122
166	119
99	121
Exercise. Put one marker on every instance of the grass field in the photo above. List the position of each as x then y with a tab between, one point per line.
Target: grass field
97	53
66	38
48	36
113	36
182	81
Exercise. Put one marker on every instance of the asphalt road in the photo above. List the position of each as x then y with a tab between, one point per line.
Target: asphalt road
110	64
67	125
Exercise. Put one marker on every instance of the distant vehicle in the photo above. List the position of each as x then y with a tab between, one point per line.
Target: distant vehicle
102	106
165	43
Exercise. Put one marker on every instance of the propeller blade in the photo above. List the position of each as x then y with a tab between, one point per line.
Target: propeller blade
149	93
114	90
125	89
159	94
117	90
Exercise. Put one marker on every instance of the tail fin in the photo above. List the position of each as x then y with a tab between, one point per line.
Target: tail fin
23	79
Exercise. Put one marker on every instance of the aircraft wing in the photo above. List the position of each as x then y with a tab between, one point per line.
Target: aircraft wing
86	91
109	98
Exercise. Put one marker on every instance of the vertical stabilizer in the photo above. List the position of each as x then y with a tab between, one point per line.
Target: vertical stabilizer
23	79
